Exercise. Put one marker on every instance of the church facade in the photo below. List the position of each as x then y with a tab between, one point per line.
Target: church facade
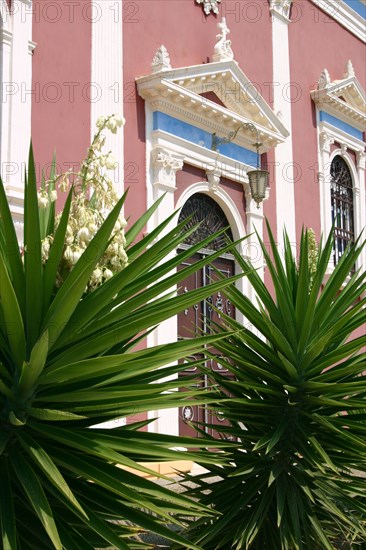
210	90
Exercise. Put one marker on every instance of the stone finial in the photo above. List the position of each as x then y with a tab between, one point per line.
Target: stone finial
161	60
324	80
222	50
349	70
209	5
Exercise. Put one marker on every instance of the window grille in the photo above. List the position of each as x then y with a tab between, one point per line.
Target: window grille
341	190
202	210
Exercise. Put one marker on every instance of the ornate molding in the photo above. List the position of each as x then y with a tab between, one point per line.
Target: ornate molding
218	125
281	9
222	50
161	60
209	5
177	92
343	98
165	167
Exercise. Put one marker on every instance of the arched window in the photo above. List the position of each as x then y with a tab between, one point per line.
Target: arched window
204	316
203	210
341	191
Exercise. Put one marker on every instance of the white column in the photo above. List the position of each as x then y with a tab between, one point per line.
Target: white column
254	229
164	168
107	74
325	141
284	167
7	90
18	105
360	204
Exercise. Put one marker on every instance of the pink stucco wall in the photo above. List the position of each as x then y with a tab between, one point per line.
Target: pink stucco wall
316	42
61	82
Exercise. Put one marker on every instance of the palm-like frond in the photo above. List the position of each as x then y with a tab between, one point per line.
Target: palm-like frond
297	411
67	363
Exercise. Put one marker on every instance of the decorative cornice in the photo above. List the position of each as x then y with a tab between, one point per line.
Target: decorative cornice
209	5
218	124
281	9
339	136
344	98
201	158
165	167
161	60
178	92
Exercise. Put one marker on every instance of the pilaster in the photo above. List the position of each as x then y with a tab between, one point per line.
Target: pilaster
361	201
284	167
17	104
107	74
164	167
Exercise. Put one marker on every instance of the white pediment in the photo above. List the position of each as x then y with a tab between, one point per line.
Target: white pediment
178	93
344	98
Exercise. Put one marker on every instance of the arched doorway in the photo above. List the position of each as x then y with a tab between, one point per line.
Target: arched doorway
201	318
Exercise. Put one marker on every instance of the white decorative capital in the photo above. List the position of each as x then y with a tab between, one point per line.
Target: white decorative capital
281	9
209	5
325	142
349	70
222	50
324	80
161	60
213	177
165	166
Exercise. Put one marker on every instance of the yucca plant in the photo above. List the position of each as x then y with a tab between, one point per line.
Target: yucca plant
67	363
297	412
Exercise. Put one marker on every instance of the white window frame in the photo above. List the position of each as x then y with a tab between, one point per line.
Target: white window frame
327	136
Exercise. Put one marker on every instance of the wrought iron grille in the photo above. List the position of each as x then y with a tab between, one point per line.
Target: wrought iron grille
341	189
201	209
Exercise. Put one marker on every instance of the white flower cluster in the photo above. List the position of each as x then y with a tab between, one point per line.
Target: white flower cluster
94	196
46	195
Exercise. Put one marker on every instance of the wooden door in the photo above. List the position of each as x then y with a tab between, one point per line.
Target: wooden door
198	320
